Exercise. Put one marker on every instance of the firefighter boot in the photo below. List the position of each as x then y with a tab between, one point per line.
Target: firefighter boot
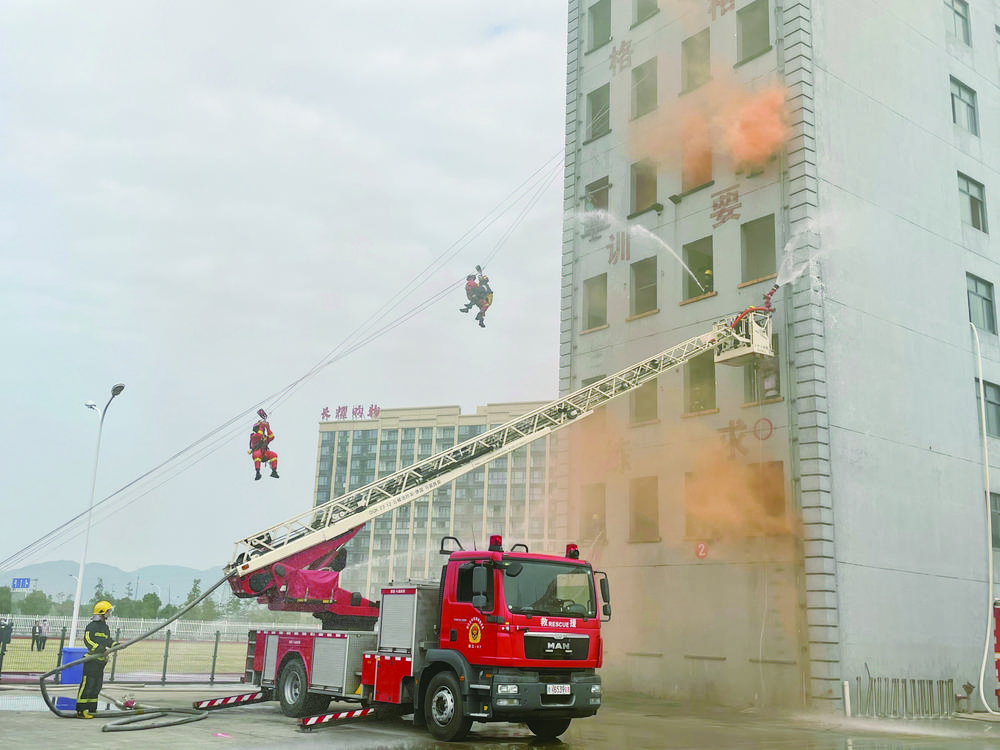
84	715
258	475
274	473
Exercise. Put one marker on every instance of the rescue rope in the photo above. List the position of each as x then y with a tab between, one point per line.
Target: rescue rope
139	713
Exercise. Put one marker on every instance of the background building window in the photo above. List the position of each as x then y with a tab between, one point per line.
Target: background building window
963	107
593	519
643	179
972	196
982	311
762	377
992	392
957	20
595	302
644	88
698	258
599	112
695	52
644	510
753	34
644	9
759	256
643	286
599	18
643	403
699	386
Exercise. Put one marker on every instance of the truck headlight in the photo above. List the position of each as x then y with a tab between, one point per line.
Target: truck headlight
506	688
595	689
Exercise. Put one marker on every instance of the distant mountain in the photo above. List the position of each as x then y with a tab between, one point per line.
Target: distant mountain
58	579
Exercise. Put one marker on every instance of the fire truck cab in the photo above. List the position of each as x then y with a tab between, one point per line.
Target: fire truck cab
503	636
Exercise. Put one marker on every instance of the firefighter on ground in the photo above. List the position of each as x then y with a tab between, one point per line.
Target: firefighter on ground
260	445
97	639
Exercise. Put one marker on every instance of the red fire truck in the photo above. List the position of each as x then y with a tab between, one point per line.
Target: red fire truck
503	636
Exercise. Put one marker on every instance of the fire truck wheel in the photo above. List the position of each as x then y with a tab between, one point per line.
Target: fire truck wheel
548	729
295	699
444	709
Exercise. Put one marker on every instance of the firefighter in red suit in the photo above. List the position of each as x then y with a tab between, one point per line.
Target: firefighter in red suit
471	292
260	442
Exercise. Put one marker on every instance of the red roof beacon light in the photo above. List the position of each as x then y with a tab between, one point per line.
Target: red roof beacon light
496	543
572	552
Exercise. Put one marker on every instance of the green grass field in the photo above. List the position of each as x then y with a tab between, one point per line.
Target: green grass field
184	657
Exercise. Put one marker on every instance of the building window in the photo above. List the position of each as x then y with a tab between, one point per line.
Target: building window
696	163
599	17
599	112
595	302
992	392
746	501
695	52
963	107
642	403
644	510
995	518
644	88
753	35
698	258
957	20
699	386
972	196
759	257
643	286
762	377
982	312
645	9
643	181
593	519
595	201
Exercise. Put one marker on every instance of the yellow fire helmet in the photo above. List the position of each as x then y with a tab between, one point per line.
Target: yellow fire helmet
103	608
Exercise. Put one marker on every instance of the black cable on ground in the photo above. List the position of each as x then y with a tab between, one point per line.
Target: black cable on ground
139	713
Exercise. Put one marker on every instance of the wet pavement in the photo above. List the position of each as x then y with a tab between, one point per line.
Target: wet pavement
631	722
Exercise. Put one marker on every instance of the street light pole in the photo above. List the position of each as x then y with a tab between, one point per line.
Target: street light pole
116	390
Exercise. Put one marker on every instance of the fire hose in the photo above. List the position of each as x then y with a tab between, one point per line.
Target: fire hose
134	716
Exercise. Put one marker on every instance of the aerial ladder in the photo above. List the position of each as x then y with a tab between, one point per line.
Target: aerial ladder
295	565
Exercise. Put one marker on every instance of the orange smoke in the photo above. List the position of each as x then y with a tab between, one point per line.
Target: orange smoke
722	118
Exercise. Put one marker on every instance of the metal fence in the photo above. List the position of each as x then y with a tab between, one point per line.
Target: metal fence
186	651
905	698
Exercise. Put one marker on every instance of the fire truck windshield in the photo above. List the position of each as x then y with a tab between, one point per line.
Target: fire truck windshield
550	588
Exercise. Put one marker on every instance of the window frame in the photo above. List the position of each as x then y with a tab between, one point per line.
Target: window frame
754	271
995	518
992	393
639	287
646	87
693	259
644	526
961	20
696	72
642	182
965	101
589	285
643	403
592	19
973	205
698	383
752	12
755	374
652	7
980	291
598	120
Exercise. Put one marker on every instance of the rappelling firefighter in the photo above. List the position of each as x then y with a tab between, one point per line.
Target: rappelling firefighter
260	445
479	295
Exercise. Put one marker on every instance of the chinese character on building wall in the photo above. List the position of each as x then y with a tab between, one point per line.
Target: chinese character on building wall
341	412
724	205
621	57
721	7
619	247
325	414
358	412
373	411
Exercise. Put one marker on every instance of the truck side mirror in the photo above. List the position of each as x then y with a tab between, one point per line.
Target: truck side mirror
605	590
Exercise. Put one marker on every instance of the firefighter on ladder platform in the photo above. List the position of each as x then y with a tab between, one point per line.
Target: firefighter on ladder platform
260	445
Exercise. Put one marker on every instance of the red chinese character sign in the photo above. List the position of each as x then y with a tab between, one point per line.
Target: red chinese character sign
619	247
356	412
725	203
719	8
621	57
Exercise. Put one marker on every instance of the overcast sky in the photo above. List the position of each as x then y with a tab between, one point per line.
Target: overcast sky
202	200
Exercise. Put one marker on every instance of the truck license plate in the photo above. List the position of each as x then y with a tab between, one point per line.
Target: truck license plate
557	689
